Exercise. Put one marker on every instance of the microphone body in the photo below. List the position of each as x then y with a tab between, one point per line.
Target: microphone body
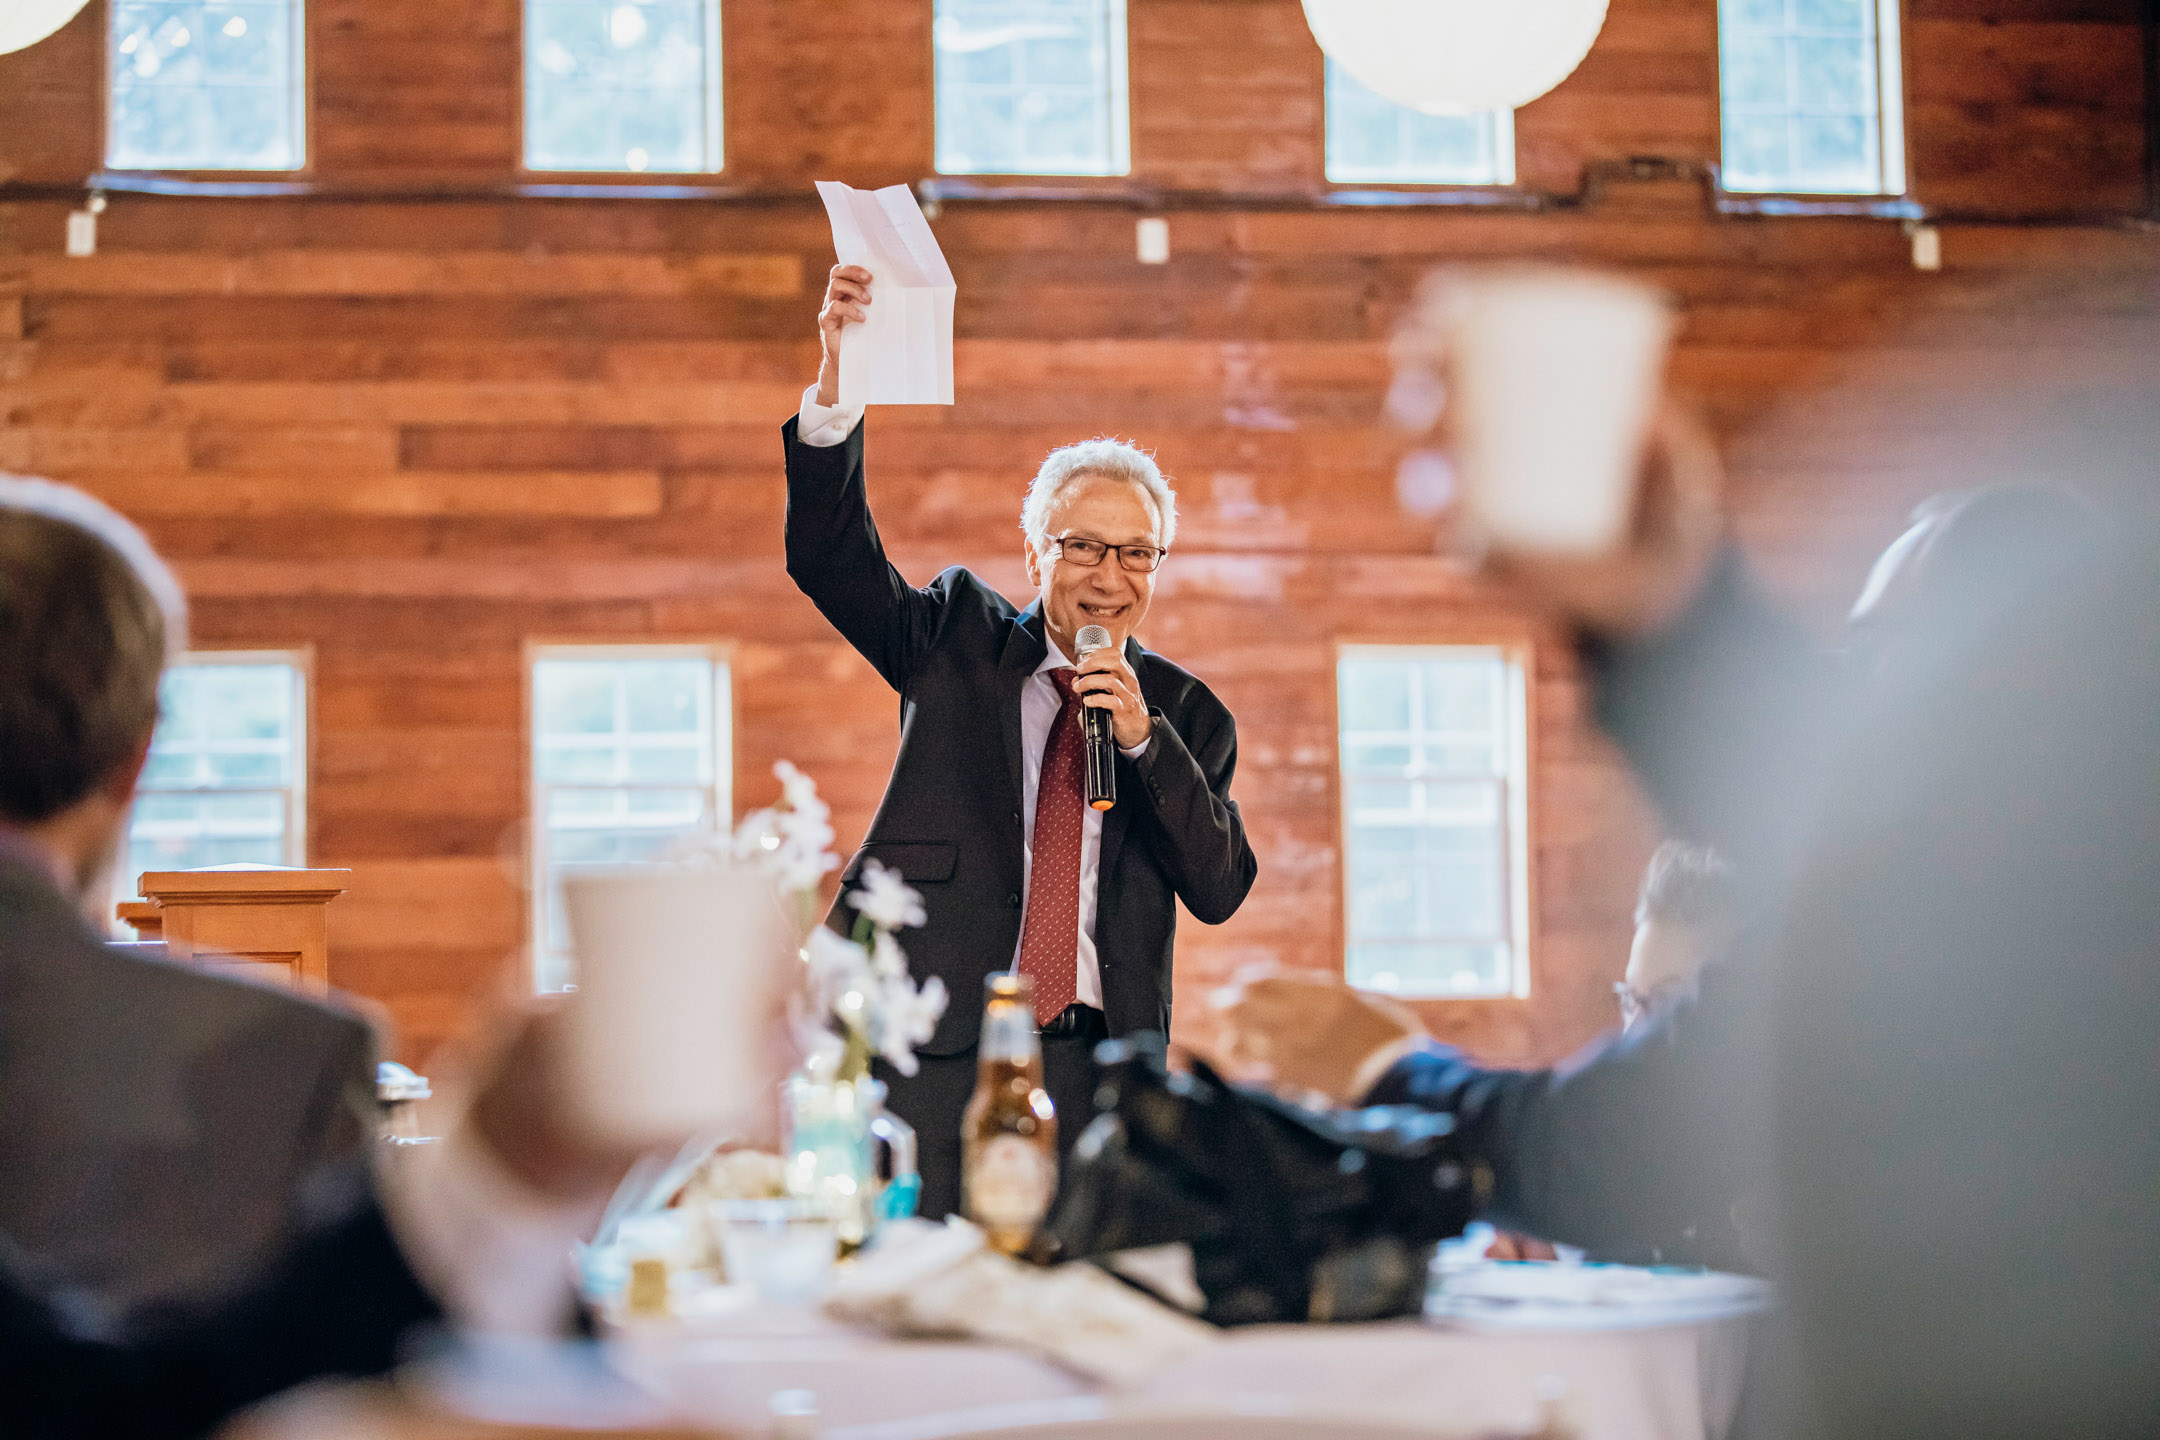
1095	724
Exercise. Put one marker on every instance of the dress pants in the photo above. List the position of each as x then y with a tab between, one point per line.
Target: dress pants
935	1097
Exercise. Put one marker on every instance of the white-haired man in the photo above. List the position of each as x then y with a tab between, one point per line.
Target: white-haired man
985	813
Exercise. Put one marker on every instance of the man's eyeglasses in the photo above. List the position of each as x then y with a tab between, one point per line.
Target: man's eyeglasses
1088	553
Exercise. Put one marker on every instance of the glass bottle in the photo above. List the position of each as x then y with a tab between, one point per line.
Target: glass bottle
1009	1149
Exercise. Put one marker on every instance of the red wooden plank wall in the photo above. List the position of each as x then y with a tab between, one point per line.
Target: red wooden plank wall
414	434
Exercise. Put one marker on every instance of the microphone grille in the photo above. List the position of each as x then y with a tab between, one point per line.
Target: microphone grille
1090	638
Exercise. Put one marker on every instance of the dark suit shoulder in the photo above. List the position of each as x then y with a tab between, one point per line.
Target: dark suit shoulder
963	586
969	609
46	950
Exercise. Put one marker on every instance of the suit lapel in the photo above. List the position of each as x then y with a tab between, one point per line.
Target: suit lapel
1024	651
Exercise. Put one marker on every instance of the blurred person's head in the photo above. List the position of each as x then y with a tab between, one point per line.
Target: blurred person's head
88	616
1963	554
1684	918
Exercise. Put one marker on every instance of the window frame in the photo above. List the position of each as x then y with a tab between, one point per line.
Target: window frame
1893	157
1503	146
1118	15
1519	654
721	654
302	660
303	101
715	118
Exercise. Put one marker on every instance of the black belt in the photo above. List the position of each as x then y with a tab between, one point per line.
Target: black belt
1083	1021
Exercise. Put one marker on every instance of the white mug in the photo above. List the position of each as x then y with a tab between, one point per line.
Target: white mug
680	971
1552	378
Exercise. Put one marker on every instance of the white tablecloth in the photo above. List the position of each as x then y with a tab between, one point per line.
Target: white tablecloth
1672	1383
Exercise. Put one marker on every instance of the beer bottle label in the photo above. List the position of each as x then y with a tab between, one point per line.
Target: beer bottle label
1011	1184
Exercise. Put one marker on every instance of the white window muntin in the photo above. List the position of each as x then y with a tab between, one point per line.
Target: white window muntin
1009	82
1779	115
630	791
1409	784
1371	140
622	86
212	792
206	85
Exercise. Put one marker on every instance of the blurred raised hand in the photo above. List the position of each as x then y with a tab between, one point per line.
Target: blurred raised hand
1307	1035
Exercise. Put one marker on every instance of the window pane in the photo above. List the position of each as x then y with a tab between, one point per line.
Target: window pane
626	766
205	86
221	785
1420	969
622	85
1031	87
1371	138
1427	739
1802	94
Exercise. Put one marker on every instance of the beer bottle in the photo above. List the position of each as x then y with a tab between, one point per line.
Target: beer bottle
1009	1159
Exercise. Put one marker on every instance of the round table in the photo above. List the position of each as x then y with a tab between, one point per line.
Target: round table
1678	1382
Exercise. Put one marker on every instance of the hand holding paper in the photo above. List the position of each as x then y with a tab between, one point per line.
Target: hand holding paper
901	351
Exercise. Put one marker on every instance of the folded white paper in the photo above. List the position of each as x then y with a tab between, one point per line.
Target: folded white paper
902	352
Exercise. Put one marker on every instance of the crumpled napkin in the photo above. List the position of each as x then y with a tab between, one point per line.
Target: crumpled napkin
944	1280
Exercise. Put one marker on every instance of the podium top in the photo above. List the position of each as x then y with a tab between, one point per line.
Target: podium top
244	885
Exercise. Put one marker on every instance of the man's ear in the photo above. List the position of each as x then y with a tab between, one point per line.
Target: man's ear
1034	561
119	787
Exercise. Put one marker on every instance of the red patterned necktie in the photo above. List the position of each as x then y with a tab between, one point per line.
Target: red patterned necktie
1050	936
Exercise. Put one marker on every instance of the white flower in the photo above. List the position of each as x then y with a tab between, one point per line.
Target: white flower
886	899
910	1018
837	965
791	841
887	959
798	789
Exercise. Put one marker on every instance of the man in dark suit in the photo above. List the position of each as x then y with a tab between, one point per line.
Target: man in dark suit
984	812
189	1215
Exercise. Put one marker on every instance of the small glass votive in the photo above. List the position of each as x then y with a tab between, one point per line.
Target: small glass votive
782	1249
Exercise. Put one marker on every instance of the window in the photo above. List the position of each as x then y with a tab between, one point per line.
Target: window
1812	99
1434	742
630	754
1372	139
227	776
1031	87
206	85
624	85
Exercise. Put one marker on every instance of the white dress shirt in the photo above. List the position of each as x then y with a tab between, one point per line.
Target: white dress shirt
826	425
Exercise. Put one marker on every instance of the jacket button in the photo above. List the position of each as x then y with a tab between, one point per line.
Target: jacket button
1013	899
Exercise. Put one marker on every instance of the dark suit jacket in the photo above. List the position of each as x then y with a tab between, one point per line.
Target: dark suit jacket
186	1215
959	653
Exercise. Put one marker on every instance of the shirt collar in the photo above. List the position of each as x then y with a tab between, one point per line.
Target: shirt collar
1055	659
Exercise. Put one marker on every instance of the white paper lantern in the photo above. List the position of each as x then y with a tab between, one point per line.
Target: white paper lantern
1457	57
25	22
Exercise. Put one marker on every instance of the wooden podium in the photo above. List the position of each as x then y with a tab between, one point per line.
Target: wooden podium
263	921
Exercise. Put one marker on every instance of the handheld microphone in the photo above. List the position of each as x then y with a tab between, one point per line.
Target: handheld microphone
1095	722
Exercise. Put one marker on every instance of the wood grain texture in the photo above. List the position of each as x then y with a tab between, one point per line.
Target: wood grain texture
417	433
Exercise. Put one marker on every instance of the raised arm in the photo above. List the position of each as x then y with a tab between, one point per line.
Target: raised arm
834	554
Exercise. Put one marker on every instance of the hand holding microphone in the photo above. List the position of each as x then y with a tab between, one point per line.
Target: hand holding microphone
1123	723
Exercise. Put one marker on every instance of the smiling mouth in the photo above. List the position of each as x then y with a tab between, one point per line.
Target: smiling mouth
1101	612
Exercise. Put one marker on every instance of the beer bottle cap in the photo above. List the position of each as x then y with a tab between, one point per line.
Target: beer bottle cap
1005	985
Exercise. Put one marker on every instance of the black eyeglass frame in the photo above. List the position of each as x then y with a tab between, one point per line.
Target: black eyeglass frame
1153	553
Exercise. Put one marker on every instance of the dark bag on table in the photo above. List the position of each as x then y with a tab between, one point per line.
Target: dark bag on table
1291	1214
